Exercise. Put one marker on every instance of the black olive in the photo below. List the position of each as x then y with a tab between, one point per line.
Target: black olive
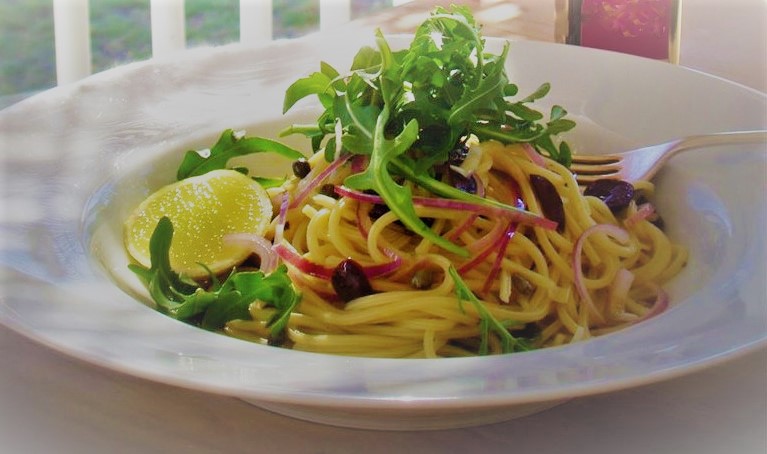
462	183
301	168
616	194
551	202
329	190
378	210
349	281
457	155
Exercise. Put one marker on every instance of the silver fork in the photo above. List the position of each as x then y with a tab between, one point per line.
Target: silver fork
643	163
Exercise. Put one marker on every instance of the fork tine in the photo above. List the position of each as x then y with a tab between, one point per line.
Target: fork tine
596	159
589	168
595	169
585	180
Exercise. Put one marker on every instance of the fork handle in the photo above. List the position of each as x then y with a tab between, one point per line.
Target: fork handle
721	138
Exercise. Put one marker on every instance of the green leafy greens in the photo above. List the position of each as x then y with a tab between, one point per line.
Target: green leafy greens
231	145
488	324
408	109
211	308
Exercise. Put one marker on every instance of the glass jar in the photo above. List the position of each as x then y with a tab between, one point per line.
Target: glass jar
648	28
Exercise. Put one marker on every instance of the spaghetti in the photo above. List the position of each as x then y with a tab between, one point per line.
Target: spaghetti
436	217
600	272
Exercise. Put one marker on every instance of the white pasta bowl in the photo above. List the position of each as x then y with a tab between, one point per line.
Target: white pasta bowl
76	159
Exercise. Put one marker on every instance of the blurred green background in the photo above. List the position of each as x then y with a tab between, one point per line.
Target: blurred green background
120	32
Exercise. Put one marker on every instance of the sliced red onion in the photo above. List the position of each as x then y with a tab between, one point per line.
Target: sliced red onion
291	256
513	215
359	163
620	286
660	306
381	269
307	185
502	245
458	230
301	263
279	229
483	247
257	245
533	155
363	222
480	187
580	284
643	212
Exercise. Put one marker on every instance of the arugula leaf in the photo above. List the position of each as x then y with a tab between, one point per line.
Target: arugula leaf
488	324
319	83
447	87
212	308
398	198
228	146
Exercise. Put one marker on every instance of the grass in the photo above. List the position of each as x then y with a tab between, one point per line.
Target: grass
120	33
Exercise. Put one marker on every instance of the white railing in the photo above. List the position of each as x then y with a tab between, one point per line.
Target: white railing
168	29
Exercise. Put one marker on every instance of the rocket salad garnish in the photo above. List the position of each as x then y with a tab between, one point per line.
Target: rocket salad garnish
408	109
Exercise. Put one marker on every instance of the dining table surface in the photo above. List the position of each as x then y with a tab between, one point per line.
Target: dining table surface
53	403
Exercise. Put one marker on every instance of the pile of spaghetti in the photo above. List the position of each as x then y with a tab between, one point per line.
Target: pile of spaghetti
546	283
437	216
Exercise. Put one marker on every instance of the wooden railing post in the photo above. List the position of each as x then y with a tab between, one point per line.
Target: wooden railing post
168	24
71	31
334	13
168	28
256	22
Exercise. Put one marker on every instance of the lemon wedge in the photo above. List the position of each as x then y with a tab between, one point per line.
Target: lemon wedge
203	209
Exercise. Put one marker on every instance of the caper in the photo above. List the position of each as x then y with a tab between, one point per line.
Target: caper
522	285
422	279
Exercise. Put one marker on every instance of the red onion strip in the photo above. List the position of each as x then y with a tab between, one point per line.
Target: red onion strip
485	245
620	288
660	305
310	185
456	231
451	204
580	284
291	256
533	155
279	229
502	245
362	222
643	212
359	163
257	245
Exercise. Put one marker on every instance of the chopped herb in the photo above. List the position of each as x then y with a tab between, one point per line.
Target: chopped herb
212	308
488	324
